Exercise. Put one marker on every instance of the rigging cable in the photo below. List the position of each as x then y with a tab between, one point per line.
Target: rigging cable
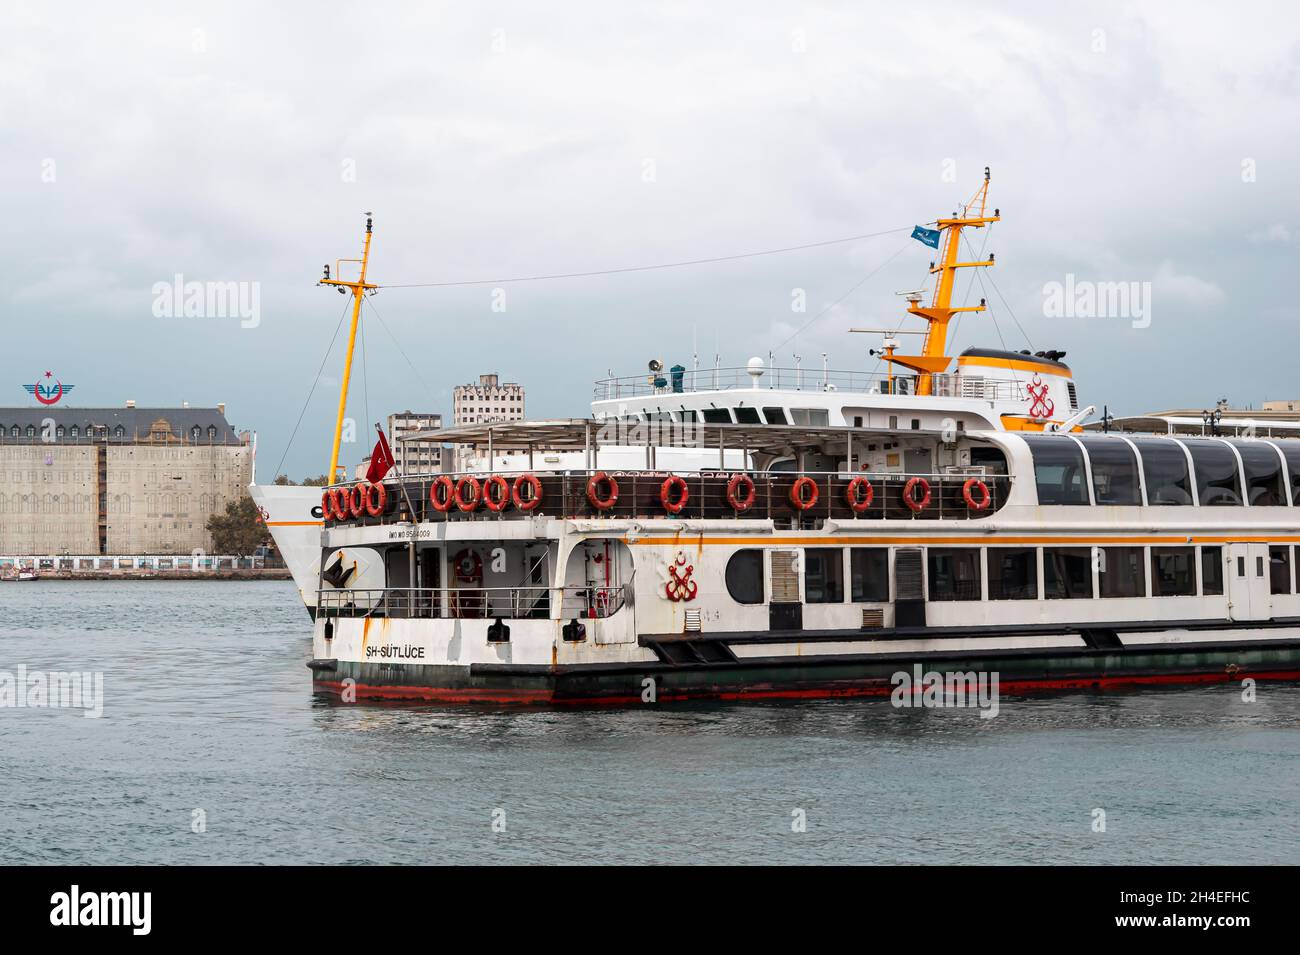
649	268
319	371
862	281
400	351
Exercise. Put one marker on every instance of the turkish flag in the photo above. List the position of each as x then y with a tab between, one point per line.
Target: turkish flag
381	460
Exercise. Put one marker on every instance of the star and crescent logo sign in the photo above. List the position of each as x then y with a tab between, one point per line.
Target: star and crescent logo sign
48	391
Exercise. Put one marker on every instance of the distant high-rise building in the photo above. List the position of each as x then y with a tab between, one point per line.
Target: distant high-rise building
489	400
419	457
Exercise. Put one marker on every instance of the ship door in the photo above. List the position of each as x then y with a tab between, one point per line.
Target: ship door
909	587
1249	596
785	611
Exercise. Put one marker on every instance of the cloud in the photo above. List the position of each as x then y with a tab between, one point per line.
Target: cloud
243	141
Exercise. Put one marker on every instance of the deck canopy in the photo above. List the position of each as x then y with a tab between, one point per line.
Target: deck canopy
584	434
1189	424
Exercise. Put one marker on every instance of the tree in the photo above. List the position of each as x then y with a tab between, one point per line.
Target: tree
239	530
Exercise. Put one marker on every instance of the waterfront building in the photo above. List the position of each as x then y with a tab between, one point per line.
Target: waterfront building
128	480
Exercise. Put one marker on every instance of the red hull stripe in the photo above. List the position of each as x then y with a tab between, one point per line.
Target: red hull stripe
521	697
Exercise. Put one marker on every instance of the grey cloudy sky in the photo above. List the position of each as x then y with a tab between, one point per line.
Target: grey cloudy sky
241	142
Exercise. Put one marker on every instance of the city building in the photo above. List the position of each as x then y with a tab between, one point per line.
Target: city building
489	400
420	457
116	480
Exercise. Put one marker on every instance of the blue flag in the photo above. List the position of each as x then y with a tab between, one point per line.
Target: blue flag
929	236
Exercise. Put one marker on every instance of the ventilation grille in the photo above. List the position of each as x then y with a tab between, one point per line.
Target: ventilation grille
907	574
1074	396
785	577
872	619
692	621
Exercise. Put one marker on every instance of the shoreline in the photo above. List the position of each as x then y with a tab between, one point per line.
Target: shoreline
262	573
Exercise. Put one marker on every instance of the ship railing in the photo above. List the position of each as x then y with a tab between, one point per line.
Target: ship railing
949	385
467	603
565	495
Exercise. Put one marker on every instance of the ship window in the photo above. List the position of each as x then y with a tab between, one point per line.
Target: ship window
869	574
1217	481
1212	571
1122	572
688	414
774	415
1058	470
717	416
810	417
954	573
1291	451
823	576
745	576
1265	480
893	422
916	424
1173	572
1114	471
72	432
1165	466
31	431
1013	573
1279	570
1067	572
748	416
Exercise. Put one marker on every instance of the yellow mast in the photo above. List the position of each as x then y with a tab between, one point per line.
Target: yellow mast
358	288
933	360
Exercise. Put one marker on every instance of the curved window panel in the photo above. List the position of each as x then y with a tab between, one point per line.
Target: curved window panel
1114	470
1218	483
1291	451
1265	477
1058	470
745	576
1165	465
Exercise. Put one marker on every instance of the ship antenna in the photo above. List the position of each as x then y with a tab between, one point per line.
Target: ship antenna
359	288
933	359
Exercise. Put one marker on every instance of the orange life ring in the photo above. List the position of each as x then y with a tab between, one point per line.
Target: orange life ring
496	504
797	498
859	494
356	499
468	503
338	507
527	503
376	499
741	504
326	508
909	494
986	496
442	502
683	494
593	491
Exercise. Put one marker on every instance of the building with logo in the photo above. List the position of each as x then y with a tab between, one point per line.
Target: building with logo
489	400
122	480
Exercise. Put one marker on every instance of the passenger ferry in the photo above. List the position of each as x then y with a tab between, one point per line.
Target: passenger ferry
765	533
